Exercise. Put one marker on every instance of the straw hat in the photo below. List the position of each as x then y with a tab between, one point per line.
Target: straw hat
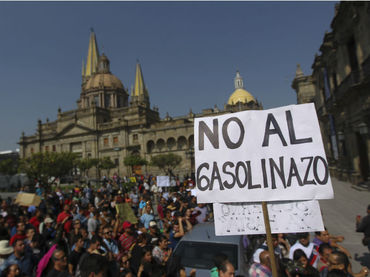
48	220
5	249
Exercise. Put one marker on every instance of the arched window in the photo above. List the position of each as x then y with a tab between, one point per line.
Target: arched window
182	143
150	146
191	141
171	143
160	144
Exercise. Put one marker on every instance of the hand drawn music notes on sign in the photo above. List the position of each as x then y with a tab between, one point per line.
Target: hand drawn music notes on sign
285	217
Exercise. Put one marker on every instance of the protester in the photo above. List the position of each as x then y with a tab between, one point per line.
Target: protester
93	265
339	261
127	239
59	259
324	250
176	233
12	270
76	254
218	259
263	247
262	268
5	251
161	253
308	270
87	231
324	237
308	248
226	269
363	226
25	260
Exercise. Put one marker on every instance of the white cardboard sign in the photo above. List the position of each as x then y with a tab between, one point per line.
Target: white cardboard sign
163	181
285	217
265	155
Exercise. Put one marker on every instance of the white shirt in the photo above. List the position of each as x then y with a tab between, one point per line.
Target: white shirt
306	249
203	213
256	255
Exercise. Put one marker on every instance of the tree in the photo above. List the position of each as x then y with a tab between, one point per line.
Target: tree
48	166
85	164
8	166
166	162
134	160
107	164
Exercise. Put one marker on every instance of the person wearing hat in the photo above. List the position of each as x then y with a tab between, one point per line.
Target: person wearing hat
127	239
20	232
21	257
5	250
48	231
153	231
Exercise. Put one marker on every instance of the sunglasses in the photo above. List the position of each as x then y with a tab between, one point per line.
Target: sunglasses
109	232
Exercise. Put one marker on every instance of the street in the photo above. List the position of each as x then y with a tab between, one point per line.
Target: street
339	215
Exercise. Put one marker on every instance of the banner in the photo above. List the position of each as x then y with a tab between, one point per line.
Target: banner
126	213
163	181
27	199
264	155
285	217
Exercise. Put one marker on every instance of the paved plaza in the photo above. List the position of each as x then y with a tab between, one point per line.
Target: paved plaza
339	215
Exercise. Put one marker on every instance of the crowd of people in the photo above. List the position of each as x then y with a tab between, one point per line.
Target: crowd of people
81	232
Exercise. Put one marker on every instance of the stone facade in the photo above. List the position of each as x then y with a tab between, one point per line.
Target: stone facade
340	88
107	124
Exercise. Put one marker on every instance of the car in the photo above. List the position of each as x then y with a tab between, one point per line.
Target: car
197	248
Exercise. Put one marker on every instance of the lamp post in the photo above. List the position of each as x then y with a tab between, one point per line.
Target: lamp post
117	149
190	156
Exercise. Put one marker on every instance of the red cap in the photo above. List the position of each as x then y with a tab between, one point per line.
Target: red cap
126	225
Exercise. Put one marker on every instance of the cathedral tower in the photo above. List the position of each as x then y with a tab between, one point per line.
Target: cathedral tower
139	93
99	86
92	59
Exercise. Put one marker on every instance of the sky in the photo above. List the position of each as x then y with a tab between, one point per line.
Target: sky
189	53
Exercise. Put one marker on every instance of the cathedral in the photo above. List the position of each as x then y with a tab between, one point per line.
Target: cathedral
112	122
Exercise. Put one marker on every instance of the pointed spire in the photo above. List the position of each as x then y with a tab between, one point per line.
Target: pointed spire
299	72
83	68
139	88
238	81
92	56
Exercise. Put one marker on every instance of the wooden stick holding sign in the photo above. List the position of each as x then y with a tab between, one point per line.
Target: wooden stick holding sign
269	239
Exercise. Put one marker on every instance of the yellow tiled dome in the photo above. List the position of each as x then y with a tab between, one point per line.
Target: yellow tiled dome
240	95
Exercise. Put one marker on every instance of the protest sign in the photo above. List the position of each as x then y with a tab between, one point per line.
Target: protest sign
163	181
28	199
126	213
264	155
285	217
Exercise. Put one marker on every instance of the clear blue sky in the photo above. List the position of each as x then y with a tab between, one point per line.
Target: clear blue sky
189	52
